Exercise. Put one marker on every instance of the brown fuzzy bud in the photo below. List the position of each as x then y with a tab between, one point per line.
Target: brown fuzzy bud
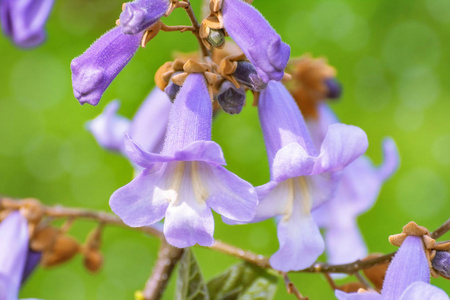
43	238
64	249
93	260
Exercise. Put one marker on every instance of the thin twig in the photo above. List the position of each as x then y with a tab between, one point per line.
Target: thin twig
168	258
259	260
291	288
195	25
444	228
330	281
180	28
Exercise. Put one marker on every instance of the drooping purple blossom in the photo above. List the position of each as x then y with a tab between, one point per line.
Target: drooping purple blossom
13	254
302	177
141	14
186	180
147	128
95	69
407	277
257	39
23	21
356	193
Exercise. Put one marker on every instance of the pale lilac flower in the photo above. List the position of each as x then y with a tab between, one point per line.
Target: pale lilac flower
13	255
147	128
95	69
356	193
23	21
186	180
141	14
302	177
407	277
257	39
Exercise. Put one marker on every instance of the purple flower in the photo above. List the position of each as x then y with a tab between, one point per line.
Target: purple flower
141	14
186	180
23	20
147	128
302	177
356	193
259	41
13	254
95	69
407	277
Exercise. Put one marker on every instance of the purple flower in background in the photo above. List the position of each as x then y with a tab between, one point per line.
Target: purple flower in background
147	128
302	177
259	41
356	193
95	69
407	277
14	254
23	20
186	180
141	14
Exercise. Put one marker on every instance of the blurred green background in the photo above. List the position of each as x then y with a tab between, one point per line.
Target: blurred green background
391	58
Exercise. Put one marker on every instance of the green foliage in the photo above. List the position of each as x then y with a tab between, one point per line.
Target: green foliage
243	282
190	284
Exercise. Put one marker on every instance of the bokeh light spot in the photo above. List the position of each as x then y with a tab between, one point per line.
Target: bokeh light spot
418	88
411	43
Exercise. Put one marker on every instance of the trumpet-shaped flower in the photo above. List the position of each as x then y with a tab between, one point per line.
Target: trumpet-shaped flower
141	14
257	39
23	20
95	69
302	177
356	193
186	180
147	128
407	277
14	253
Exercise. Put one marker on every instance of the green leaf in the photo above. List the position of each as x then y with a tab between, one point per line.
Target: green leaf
190	283
243	281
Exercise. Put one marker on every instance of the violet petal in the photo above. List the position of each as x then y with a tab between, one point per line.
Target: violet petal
259	41
408	266
141	14
95	69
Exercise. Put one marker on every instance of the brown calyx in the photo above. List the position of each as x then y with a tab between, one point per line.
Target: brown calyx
308	82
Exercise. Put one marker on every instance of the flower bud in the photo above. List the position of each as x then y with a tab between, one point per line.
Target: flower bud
63	250
216	37
172	89
230	98
441	263
93	260
43	238
246	74
334	88
141	14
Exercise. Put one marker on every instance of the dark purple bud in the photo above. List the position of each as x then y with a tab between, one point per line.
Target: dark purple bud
230	98
172	89
141	14
23	21
441	263
95	69
334	88
33	259
246	74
